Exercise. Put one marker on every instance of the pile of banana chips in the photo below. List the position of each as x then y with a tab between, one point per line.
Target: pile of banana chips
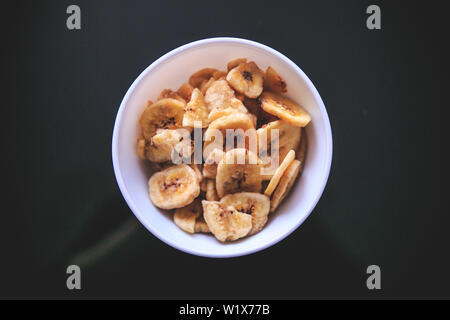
225	149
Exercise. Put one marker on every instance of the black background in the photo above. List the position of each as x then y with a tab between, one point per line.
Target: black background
385	202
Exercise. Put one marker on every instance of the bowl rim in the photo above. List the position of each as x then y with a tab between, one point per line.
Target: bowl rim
118	172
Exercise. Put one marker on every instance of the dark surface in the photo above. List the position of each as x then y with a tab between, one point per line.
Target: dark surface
385	202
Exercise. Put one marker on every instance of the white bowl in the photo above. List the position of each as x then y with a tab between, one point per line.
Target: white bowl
172	70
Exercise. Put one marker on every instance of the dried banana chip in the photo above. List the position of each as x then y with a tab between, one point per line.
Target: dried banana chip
201	226
226	224
174	187
247	79
234	63
270	154
284	109
232	122
219	113
201	75
185	217
219	75
219	95
165	114
206	84
196	113
285	185
234	106
141	148
255	204
168	93
185	91
279	172
190	218
167	141
238	171
273	82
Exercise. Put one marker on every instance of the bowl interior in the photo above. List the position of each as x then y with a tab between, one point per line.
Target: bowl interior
171	71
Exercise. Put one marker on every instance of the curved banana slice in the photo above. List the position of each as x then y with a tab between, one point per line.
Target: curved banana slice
237	120
217	113
255	204
247	78
239	170
211	162
234	105
201	75
284	109
196	112
211	192
288	139
218	95
174	187
167	141
279	172
190	218
285	184
226	224
234	63
273	82
218	129
164	114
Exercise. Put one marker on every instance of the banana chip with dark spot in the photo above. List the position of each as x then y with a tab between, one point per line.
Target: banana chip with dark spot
284	109
273	82
247	79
